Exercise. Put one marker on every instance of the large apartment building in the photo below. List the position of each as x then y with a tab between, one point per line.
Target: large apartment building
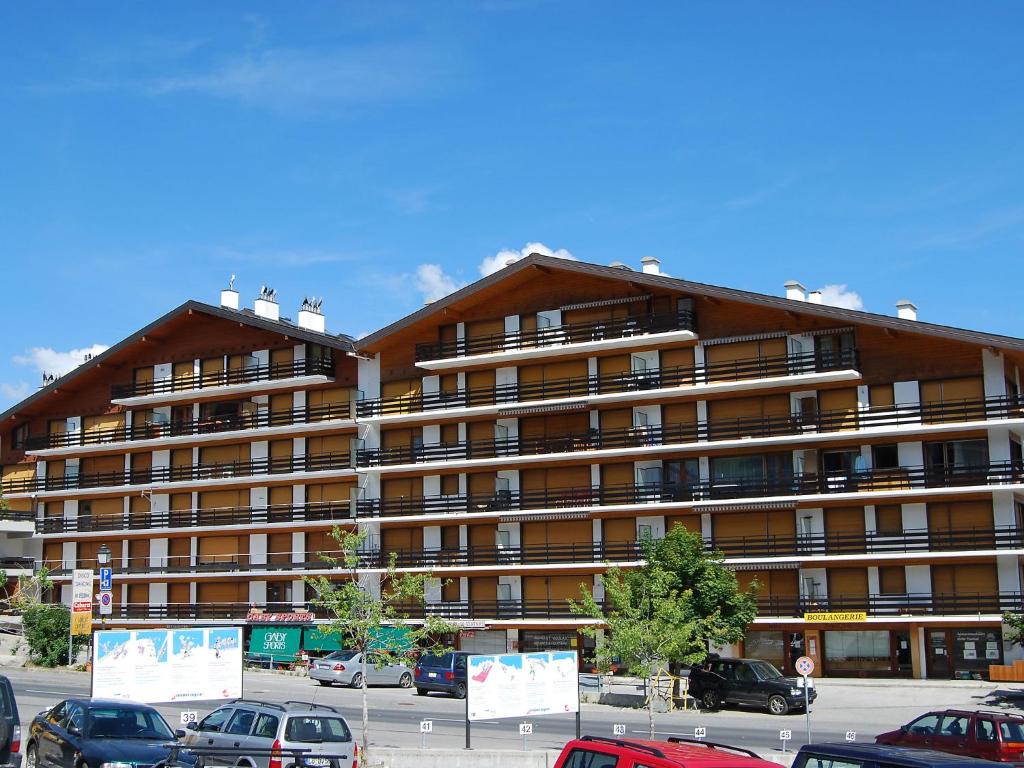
518	435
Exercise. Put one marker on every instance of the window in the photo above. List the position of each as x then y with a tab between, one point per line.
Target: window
314	729
18	437
585	758
885	456
754	468
1011	730
823	761
56	714
841	462
925	726
122	722
985	730
75	719
266	727
241	722
889	519
460	661
215	720
954	726
956	454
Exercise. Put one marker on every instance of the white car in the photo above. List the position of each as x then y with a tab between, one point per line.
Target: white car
345	668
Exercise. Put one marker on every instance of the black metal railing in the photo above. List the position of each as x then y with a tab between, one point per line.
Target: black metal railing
321	462
192	518
17	515
205	611
201	426
942	604
315	366
18	564
868	481
571	333
675	434
631	381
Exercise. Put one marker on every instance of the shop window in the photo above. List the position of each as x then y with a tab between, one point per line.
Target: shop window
853	652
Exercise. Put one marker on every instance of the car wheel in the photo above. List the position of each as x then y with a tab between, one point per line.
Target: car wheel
31	757
777	705
357	680
325	682
460	690
710	699
421	692
405	681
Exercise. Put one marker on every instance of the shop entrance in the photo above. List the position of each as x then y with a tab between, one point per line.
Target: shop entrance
963	654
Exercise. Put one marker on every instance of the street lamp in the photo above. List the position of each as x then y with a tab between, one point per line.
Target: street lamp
103	556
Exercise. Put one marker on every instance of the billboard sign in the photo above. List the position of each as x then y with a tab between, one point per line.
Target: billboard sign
163	665
81	601
277	643
522	684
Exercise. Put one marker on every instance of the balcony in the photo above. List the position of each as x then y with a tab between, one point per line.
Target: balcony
221	382
200	611
218	517
184	473
807	484
797	425
544	341
22	564
914	604
214	425
628	384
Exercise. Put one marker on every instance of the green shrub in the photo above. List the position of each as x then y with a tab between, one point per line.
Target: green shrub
46	632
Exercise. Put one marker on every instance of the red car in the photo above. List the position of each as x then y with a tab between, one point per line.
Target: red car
599	752
986	735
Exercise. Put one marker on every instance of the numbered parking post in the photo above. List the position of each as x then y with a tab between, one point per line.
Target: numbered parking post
700	732
426	726
851	735
619	729
525	729
784	736
188	717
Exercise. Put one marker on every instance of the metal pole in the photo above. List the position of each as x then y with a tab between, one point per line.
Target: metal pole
807	709
71	637
467	722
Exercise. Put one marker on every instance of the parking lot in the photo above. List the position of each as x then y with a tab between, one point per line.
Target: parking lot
866	707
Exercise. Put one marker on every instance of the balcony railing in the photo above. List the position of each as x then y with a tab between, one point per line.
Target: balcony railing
187	472
190	518
958	604
18	563
876	480
204	611
572	333
634	381
202	426
17	515
308	367
675	434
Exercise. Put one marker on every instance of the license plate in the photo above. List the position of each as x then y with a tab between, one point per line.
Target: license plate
320	761
432	674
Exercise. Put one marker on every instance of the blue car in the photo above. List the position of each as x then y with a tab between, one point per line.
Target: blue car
852	755
445	674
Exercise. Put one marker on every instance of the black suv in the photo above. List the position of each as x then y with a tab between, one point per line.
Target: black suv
750	682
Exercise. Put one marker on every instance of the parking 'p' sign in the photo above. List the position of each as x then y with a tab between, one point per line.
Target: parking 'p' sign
804	666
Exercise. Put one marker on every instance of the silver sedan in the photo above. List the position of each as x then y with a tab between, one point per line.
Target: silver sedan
344	668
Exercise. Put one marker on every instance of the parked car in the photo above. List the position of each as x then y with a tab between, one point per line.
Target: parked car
258	734
97	732
853	755
600	752
986	735
748	682
445	674
344	668
10	726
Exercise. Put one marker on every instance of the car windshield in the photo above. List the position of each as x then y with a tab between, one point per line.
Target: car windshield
315	729
341	655
765	671
125	723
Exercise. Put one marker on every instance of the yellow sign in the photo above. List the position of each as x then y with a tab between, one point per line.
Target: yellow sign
829	616
81	623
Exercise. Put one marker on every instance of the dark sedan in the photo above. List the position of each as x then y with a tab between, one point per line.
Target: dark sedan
94	733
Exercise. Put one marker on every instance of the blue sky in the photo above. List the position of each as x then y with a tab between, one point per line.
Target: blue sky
151	151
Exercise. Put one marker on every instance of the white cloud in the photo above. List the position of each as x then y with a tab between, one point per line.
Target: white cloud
14	392
433	283
837	296
50	361
492	264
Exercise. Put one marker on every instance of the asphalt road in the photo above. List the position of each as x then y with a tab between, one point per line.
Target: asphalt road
865	707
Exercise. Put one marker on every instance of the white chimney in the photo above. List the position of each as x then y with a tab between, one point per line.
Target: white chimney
310	316
906	309
266	304
229	298
651	265
814	297
795	291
